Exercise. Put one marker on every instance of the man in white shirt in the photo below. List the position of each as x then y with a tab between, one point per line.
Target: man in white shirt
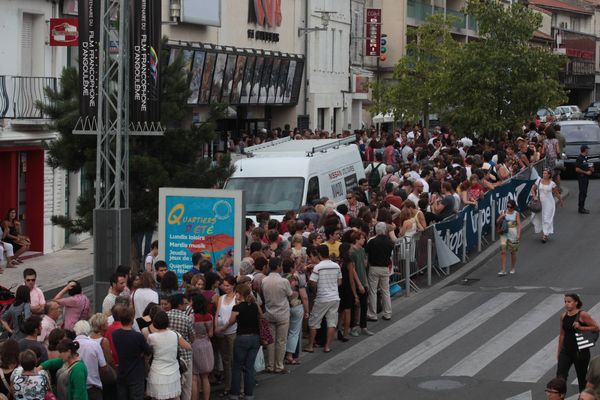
151	257
416	193
49	322
325	279
117	284
92	356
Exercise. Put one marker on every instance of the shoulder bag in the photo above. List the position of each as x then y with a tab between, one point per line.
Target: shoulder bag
585	339
266	337
534	204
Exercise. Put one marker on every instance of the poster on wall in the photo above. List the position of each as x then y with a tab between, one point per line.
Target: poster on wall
173	53
228	78
209	221
215	94
289	82
283	71
89	36
264	83
297	81
209	66
256	80
273	81
247	81
196	80
144	62
238	77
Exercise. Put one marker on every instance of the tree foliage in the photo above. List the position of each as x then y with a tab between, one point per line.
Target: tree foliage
486	85
497	83
174	159
420	77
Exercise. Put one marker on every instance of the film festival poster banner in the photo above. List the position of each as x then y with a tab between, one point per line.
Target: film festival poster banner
89	40
451	232
210	221
144	62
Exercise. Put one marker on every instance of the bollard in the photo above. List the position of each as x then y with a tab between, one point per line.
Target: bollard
407	267
493	227
479	227
429	261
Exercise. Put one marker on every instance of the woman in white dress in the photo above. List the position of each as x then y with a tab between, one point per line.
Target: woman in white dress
546	189
164	379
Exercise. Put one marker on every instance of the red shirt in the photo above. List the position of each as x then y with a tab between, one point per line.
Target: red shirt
109	332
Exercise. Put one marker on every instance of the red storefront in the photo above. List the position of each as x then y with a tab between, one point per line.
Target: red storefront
23	188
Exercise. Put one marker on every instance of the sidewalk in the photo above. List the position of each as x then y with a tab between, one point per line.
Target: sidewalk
55	269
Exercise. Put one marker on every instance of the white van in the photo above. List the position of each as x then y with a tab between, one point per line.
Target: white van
285	174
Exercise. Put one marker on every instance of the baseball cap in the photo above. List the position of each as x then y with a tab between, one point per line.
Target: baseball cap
583	147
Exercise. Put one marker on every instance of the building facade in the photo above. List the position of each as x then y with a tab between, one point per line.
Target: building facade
29	184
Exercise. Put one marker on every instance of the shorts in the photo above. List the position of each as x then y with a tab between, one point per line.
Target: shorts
329	310
509	246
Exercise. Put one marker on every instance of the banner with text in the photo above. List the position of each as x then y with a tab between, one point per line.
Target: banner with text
451	232
89	38
199	220
144	62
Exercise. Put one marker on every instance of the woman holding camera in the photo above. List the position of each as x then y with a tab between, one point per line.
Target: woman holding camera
509	225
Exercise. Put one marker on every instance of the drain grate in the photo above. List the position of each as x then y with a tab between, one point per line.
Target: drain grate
469	281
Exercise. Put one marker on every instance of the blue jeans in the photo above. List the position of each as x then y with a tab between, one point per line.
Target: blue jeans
245	349
296	316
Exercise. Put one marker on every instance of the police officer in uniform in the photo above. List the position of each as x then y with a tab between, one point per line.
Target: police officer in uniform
584	171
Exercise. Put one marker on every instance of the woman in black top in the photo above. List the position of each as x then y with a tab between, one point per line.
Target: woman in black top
572	321
247	342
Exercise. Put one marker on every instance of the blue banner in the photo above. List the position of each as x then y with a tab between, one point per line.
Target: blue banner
197	224
451	232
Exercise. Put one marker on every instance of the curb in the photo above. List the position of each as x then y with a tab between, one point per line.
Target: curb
469	267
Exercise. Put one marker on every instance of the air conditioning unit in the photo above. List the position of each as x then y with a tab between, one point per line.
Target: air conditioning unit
564	25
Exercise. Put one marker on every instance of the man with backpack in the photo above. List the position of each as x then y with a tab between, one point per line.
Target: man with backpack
375	171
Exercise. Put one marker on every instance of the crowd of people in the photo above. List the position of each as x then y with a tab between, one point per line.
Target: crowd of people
320	275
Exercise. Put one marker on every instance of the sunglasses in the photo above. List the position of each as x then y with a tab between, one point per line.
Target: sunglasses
30	280
511	207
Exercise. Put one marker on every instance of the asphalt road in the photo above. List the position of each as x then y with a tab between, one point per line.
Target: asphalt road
493	338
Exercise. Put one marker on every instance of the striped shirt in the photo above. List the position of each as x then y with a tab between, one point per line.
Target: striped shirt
326	275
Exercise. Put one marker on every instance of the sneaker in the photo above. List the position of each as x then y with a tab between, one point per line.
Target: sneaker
354	332
512	271
366	332
501	273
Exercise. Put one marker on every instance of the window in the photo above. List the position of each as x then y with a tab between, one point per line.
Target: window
274	195
313	193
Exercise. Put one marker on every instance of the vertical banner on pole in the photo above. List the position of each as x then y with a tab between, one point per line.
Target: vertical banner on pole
144	62
89	40
373	34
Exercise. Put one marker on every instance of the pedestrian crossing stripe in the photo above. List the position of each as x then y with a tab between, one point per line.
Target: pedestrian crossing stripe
344	360
532	370
428	348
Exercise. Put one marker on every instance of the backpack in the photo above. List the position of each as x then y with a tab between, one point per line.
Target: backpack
374	176
20	319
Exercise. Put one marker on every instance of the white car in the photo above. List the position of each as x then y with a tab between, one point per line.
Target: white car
544	113
563	113
576	112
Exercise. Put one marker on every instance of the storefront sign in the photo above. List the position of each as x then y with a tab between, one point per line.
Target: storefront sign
373	32
143	64
262	35
89	36
200	220
361	84
64	32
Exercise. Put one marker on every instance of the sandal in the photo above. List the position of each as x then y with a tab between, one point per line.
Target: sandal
307	350
224	393
281	371
293	361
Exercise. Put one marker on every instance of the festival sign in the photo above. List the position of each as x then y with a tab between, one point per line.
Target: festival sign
89	37
199	220
144	62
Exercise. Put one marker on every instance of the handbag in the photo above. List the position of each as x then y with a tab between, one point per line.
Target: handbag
182	364
534	204
266	337
502	228
585	339
259	361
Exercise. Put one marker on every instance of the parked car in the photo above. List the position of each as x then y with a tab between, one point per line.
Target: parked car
592	112
562	113
595	104
575	112
577	133
544	113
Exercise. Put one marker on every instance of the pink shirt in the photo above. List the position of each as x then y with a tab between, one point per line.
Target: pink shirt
36	297
76	308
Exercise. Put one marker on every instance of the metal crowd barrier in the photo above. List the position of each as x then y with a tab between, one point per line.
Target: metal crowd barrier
417	256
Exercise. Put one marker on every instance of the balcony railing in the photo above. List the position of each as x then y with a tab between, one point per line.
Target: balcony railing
19	94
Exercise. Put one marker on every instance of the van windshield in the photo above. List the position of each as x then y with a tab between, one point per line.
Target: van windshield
274	195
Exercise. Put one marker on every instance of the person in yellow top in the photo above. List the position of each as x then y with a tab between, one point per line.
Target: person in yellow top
332	241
